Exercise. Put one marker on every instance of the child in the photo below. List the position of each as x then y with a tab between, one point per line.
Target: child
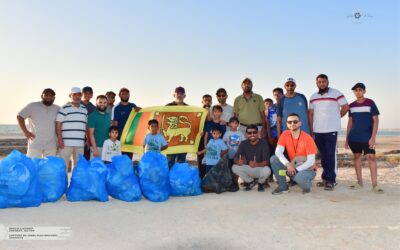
215	122
154	141
215	149
233	138
362	128
111	146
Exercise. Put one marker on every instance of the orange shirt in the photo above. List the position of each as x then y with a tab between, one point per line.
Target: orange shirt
302	146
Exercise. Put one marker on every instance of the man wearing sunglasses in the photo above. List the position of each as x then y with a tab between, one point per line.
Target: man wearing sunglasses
301	150
251	160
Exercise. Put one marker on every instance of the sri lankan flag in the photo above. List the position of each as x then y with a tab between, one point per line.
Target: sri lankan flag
180	125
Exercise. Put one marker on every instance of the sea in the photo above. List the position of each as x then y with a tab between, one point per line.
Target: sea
12	131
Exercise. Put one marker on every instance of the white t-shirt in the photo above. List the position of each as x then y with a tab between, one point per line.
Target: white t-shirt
327	110
227	113
42	124
110	149
233	140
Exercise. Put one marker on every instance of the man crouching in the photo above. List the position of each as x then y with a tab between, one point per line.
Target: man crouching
301	149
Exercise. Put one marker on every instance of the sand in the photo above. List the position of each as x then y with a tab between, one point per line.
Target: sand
341	219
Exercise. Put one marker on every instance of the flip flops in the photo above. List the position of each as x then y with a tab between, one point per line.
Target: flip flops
355	186
377	190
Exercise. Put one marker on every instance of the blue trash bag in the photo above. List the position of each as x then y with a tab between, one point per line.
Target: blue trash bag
18	182
153	176
52	178
122	183
88	181
184	180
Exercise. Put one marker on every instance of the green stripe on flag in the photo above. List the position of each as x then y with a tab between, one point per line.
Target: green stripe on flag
132	129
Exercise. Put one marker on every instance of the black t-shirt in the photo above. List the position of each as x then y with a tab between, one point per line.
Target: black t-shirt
248	151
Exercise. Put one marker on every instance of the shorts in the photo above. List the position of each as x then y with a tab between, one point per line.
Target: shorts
360	147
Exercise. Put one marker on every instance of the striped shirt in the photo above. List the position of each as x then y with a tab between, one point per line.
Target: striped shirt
362	120
73	124
327	110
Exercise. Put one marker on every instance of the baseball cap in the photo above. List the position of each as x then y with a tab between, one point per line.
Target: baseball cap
290	79
87	89
123	90
75	90
358	85
180	90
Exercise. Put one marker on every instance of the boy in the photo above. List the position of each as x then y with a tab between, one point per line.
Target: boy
154	141
111	146
215	149
215	122
233	138
362	128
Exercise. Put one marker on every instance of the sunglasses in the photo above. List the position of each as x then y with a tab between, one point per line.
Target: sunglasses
252	132
293	122
221	95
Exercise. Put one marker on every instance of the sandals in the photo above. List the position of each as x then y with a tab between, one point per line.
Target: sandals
355	186
321	184
377	190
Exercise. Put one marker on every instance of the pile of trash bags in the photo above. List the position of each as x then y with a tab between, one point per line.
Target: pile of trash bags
26	182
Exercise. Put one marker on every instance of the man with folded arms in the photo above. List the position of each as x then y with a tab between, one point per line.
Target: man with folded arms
301	149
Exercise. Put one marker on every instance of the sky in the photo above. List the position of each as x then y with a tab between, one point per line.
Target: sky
153	46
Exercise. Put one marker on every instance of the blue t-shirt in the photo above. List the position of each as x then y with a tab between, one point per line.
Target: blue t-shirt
362	122
272	118
233	140
210	125
297	104
154	142
213	153
120	113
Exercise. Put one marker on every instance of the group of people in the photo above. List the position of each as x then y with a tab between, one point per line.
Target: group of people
258	137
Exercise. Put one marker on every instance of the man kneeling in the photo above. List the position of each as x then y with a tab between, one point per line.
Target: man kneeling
251	160
301	149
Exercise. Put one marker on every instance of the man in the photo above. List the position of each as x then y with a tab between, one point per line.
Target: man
326	108
41	135
179	96
120	113
87	94
301	149
227	113
71	127
292	102
206	101
249	108
110	101
251	160
99	122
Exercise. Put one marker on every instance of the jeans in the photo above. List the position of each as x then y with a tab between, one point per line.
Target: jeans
302	178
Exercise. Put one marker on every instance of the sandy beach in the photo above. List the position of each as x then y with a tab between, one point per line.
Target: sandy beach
342	219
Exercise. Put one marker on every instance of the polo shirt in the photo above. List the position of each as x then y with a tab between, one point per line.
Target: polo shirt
362	123
248	111
327	110
296	104
41	122
101	123
73	124
120	113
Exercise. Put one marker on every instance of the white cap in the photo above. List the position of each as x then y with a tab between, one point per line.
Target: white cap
290	79
75	90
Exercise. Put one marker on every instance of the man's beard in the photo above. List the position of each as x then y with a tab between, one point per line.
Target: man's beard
247	90
47	103
101	109
323	91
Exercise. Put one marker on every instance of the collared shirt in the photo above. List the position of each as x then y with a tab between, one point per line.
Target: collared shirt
248	110
42	120
73	124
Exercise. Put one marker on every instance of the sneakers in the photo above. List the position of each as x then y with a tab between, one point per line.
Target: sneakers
260	187
278	191
329	186
249	186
